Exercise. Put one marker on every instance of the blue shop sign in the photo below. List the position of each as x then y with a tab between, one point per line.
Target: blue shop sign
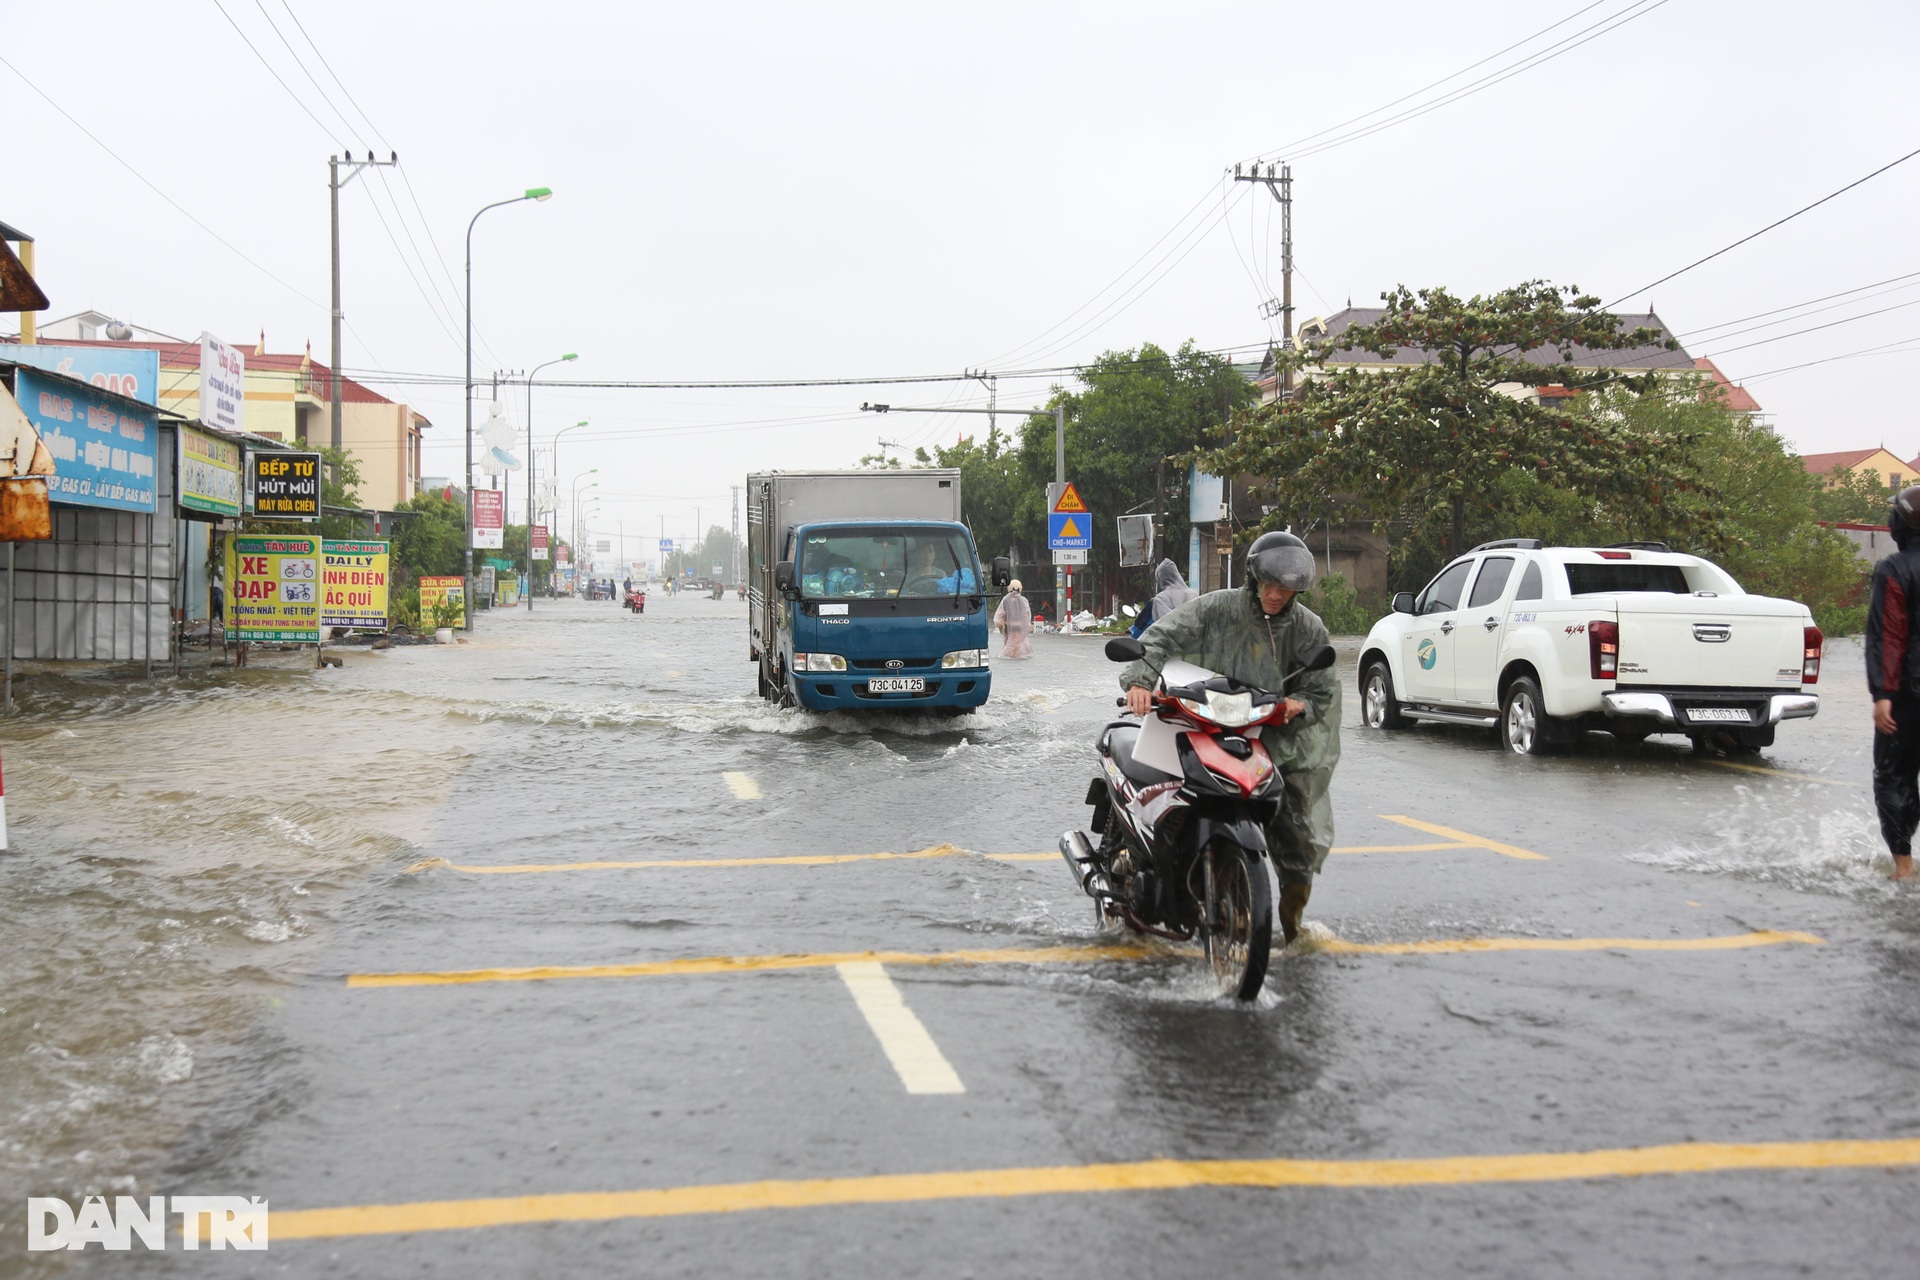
105	449
132	372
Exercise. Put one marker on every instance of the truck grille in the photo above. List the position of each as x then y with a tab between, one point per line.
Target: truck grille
880	664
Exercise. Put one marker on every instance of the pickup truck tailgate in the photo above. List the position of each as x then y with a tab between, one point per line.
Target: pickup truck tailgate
1725	642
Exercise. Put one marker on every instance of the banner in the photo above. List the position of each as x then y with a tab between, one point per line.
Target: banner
209	473
489	518
273	588
223	381
353	585
104	449
285	486
538	536
435	590
132	372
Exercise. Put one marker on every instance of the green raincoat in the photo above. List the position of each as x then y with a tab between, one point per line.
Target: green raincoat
1228	632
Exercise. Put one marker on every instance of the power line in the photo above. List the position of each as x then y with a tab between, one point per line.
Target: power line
149	183
1898	306
1695	333
297	101
1762	231
1559	48
1885	348
1302	141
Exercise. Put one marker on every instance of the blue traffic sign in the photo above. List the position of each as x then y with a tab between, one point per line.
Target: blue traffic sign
1069	531
666	546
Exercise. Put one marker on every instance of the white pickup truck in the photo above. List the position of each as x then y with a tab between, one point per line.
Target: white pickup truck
1547	641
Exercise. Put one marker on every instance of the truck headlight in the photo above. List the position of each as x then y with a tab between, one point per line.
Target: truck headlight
819	662
963	658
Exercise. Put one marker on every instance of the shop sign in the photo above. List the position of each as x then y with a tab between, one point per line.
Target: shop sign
538	537
285	486
104	448
433	591
209	473
273	588
353	585
223	381
132	372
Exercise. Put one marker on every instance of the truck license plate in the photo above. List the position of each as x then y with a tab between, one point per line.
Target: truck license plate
897	684
1701	715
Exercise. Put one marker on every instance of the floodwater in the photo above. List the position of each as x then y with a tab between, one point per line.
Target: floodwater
200	867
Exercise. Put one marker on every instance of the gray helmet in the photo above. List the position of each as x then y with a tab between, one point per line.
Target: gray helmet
1904	514
1282	559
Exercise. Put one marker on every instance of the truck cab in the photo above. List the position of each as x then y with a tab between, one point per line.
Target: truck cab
870	612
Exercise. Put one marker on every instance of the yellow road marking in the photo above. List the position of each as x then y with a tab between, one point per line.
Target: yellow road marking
801	860
742	785
696	965
1477	842
1144	1175
749	964
1782	773
916	1059
1444	946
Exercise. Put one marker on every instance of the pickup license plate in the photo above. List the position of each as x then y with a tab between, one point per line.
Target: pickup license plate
1735	715
897	684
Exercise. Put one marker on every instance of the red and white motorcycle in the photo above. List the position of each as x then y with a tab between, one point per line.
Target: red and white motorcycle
1181	804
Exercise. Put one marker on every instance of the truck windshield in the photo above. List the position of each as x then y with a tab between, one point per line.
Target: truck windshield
882	562
1604	579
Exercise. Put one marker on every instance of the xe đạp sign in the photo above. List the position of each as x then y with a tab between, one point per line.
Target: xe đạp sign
273	588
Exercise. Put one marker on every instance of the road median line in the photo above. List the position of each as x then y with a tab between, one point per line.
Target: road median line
1148	1175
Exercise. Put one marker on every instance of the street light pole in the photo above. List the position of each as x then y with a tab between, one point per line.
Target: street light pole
573	503
541	194
571	355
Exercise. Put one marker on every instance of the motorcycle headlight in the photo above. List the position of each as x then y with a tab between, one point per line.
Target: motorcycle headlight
963	658
1229	709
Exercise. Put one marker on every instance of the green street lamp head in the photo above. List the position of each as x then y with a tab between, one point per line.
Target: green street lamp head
581	423
542	194
571	355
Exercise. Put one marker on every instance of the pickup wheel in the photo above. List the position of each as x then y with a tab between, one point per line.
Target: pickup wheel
1378	707
1525	727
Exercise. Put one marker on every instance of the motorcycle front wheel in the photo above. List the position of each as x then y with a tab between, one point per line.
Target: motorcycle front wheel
1239	921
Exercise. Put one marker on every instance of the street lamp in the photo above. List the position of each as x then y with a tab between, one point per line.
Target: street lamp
573	502
539	194
530	466
556	442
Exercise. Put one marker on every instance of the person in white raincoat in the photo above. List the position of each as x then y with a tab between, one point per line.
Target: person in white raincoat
1014	621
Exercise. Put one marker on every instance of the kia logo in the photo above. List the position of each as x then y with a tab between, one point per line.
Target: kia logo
894	664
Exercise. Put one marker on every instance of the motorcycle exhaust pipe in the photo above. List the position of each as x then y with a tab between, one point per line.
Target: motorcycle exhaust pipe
1078	853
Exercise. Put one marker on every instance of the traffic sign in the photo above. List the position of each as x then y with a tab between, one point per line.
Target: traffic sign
1069	500
666	546
1069	532
1069	523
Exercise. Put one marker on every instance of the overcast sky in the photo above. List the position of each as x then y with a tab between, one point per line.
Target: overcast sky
769	192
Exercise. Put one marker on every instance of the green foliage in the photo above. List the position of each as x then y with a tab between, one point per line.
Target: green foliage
403	608
432	543
1848	498
446	612
1341	608
989	487
1430	447
1129	432
339	487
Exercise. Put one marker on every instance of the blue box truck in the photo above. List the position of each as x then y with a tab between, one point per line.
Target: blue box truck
865	591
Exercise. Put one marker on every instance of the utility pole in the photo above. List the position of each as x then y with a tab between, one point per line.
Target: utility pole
353	168
735	576
1281	189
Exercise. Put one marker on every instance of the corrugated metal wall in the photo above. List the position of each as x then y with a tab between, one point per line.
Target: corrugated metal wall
101	590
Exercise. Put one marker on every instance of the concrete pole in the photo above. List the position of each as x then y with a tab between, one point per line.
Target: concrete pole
333	368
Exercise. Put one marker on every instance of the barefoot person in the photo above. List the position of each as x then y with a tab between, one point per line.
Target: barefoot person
1893	678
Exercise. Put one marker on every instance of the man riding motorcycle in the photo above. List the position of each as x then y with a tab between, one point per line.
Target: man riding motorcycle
1259	634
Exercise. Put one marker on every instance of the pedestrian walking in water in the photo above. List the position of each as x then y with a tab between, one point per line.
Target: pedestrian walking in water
1893	679
1014	621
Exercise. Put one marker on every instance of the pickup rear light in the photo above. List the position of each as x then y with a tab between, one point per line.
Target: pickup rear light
1614	555
1814	642
1603	648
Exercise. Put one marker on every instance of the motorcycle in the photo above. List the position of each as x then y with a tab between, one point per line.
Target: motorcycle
1181	804
637	601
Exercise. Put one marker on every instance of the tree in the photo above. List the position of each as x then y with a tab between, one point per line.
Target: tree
1436	445
1139	417
989	486
1846	497
431	541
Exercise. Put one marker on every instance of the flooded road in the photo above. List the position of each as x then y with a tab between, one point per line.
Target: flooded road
549	954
